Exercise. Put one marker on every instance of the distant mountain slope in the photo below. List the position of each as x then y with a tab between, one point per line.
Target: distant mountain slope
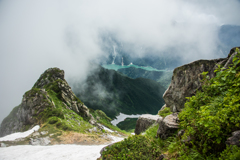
163	77
113	93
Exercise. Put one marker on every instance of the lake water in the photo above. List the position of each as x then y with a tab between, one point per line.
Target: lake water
116	67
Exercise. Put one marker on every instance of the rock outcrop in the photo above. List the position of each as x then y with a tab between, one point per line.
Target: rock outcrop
168	126
43	141
235	139
145	121
50	86
25	115
186	80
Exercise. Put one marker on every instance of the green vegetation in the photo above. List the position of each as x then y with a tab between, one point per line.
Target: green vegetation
134	147
165	112
208	119
138	147
212	114
61	117
103	119
128	124
58	116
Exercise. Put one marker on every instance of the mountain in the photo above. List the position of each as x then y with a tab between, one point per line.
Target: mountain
113	93
163	77
52	105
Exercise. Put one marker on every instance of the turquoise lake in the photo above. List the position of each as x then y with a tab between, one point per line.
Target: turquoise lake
116	67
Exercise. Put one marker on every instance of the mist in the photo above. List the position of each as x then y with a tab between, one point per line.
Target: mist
37	35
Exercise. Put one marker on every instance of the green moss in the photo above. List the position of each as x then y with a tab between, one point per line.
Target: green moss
165	112
53	120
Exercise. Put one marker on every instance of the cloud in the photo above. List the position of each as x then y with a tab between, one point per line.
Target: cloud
36	35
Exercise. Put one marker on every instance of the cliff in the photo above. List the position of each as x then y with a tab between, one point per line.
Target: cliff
186	80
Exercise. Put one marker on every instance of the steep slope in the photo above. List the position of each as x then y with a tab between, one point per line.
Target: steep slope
113	93
52	105
163	77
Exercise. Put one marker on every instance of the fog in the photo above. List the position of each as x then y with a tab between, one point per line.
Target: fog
36	35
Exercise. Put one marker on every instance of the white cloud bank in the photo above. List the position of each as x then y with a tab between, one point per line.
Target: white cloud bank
36	35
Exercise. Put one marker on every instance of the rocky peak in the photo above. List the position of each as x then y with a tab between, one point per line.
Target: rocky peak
50	75
50	95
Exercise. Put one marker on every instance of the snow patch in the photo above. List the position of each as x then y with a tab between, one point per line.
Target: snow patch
17	135
59	152
107	129
122	117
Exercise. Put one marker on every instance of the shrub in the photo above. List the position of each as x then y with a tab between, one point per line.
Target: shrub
133	147
213	113
165	112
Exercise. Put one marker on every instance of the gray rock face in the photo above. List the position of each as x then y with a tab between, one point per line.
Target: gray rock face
186	80
145	121
33	103
168	126
50	75
235	139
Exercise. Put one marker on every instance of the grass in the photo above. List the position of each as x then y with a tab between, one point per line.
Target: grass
128	124
102	118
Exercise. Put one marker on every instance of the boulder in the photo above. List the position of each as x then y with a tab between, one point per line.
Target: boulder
168	126
40	141
145	121
186	80
3	145
235	139
161	157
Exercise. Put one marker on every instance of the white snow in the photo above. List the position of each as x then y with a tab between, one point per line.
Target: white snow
55	152
17	135
107	129
150	116
58	152
121	118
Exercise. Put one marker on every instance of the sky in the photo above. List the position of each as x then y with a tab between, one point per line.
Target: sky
36	35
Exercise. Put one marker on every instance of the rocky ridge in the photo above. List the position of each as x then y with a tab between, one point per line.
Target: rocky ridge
45	102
